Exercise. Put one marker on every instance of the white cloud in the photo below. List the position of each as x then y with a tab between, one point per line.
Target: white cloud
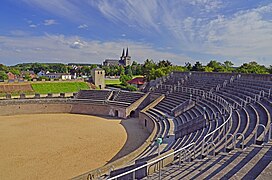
78	44
83	26
246	34
207	5
51	48
63	8
32	25
141	13
49	22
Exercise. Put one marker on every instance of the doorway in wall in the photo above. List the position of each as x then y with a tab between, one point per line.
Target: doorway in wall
116	113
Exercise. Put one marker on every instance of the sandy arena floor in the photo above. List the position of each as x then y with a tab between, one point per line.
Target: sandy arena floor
62	146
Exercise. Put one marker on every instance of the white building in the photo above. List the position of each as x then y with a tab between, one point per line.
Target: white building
63	76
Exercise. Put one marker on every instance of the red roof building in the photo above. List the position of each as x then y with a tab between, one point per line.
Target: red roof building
137	82
11	76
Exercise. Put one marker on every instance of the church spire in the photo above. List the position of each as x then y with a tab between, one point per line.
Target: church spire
127	52
123	54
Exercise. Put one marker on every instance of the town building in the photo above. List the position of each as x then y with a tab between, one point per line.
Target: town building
137	82
31	74
125	60
11	76
63	76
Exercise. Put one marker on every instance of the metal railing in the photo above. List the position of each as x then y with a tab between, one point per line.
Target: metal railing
243	139
232	141
133	171
256	133
223	125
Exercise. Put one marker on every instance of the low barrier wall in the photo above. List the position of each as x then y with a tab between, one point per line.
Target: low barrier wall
185	106
191	126
92	109
58	105
12	107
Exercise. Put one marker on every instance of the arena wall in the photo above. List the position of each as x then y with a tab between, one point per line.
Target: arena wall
34	108
92	109
31	106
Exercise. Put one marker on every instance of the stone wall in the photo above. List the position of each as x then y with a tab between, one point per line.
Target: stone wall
147	122
140	103
34	108
92	109
263	77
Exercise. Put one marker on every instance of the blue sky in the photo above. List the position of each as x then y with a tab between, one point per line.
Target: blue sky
89	31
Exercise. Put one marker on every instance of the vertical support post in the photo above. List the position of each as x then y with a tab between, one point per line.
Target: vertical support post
159	170
270	131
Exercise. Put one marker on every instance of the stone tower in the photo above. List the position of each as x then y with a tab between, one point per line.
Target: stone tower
98	77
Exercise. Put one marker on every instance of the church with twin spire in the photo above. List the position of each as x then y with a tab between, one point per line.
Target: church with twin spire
125	60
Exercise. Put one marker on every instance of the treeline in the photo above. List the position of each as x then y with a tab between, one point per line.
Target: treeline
227	66
152	70
37	67
149	69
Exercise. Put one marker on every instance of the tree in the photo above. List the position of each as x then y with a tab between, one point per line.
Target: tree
57	67
128	71
15	71
164	63
27	76
124	78
188	66
139	70
134	63
107	70
147	67
159	73
252	67
228	66
197	67
216	66
3	75
121	70
269	69
208	69
37	67
86	70
3	68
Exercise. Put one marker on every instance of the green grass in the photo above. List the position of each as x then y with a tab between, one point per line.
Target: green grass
59	87
112	81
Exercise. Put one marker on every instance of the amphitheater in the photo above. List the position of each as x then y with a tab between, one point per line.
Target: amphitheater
212	126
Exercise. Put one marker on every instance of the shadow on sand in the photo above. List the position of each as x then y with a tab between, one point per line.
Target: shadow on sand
136	136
